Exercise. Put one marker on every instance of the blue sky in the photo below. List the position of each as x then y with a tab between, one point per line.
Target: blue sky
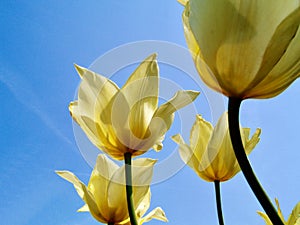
40	41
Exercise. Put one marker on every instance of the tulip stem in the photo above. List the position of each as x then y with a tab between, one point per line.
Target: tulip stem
129	194
236	140
218	201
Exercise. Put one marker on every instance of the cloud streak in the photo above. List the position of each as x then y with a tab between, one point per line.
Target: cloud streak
23	93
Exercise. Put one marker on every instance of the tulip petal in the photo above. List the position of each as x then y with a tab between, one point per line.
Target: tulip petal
192	44
183	2
141	93
99	180
84	193
186	153
200	136
233	36
249	145
163	118
89	128
279	210
144	205
189	36
130	111
281	56
218	141
95	91
294	218
68	176
84	208
178	101
265	217
103	140
142	171
156	213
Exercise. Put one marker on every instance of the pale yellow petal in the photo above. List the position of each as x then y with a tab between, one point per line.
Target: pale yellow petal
183	2
95	91
106	141
294	218
131	109
233	36
89	128
219	161
93	208
187	154
142	171
156	213
84	193
94	94
201	133
117	196
218	144
225	163
144	205
265	217
68	176
84	208
163	118
166	110
189	36
280	65
279	210
141	93
249	145
99	180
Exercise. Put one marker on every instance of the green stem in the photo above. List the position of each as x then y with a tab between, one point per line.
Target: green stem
129	194
110	223
234	129
218	201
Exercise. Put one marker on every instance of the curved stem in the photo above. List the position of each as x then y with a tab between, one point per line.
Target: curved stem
235	135
129	194
218	201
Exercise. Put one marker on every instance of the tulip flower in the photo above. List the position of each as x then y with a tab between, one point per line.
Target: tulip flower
294	218
244	49
127	119
105	195
210	153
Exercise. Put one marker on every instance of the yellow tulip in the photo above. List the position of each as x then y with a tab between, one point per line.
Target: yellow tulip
210	153
105	195
294	218
244	48
127	119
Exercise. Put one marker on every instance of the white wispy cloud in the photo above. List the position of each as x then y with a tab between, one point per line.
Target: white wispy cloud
24	93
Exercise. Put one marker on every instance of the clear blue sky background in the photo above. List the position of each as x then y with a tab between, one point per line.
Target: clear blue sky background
40	41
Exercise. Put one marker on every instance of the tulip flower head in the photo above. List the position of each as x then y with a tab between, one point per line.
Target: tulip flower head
244	48
210	153
127	119
105	195
294	218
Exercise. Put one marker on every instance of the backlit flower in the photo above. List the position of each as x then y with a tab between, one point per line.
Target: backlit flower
244	48
294	218
127	119
105	195
210	153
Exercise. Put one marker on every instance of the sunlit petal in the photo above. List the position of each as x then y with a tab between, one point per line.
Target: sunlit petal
84	193
244	49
